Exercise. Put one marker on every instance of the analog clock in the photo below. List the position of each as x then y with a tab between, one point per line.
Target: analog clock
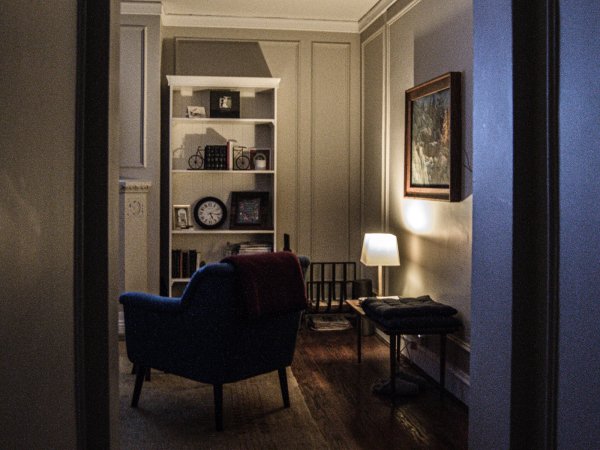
210	212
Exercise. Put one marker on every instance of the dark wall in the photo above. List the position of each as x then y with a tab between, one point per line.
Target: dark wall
491	304
504	338
37	147
579	382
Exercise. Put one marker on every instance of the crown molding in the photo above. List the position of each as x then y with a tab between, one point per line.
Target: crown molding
261	23
141	8
403	11
373	14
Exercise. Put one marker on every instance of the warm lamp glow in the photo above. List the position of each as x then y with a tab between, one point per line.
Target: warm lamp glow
417	216
380	249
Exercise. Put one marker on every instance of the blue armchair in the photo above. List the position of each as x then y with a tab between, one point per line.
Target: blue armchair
206	335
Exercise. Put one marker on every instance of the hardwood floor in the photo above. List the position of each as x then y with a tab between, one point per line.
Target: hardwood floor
337	391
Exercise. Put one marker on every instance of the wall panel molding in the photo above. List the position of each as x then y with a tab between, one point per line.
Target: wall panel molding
330	142
133	94
141	8
283	58
371	41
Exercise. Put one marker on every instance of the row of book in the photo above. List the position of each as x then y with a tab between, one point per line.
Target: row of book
184	263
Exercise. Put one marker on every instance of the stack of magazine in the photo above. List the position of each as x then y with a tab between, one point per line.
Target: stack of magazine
328	322
249	248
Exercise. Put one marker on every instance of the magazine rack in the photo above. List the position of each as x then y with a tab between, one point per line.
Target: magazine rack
329	285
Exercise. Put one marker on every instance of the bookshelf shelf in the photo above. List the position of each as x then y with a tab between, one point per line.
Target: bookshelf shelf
228	172
223	232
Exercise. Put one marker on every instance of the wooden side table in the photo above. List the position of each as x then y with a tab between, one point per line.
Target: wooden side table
395	335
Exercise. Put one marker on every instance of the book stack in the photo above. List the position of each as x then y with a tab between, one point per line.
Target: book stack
248	248
216	157
184	263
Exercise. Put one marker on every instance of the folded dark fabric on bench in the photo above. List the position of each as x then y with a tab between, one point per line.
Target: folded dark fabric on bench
419	315
398	307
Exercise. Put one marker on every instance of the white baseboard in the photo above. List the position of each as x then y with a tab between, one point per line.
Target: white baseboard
457	381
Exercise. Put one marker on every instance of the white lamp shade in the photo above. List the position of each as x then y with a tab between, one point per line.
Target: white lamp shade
380	249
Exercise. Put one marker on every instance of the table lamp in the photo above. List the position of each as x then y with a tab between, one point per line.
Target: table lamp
380	249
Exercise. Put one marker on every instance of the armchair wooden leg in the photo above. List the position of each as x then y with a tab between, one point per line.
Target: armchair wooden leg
134	371
218	398
139	381
284	387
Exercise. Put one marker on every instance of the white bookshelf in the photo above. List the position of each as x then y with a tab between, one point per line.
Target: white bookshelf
255	128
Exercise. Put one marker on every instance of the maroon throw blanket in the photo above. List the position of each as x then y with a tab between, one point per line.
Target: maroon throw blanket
269	283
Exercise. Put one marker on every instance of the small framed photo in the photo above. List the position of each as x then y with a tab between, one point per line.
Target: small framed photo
225	104
260	159
182	217
195	112
249	210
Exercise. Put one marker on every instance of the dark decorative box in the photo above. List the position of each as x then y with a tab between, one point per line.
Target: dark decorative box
225	104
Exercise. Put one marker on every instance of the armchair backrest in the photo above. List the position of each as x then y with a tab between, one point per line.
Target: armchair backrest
217	342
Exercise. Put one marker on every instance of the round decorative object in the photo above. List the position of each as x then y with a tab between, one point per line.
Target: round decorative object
260	161
242	162
196	162
210	212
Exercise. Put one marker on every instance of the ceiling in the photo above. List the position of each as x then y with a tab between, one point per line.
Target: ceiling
316	15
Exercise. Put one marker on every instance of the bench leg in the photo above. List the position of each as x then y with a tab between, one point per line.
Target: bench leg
393	339
359	338
442	364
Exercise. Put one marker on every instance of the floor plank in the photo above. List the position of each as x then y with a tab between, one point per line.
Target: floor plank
337	391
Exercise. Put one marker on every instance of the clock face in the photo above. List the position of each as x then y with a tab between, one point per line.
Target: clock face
210	212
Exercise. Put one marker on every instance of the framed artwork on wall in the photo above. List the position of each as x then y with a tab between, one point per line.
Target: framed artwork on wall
432	159
249	210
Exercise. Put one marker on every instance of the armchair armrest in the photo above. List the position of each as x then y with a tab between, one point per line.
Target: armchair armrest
150	302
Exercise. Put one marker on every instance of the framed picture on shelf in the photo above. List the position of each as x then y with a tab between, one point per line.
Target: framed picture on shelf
260	159
225	104
182	217
432	159
249	210
195	112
